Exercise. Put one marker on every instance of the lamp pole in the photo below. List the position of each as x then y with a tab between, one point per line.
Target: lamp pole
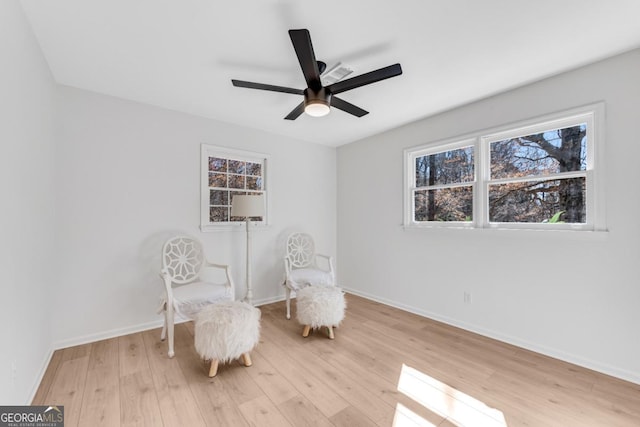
247	207
249	295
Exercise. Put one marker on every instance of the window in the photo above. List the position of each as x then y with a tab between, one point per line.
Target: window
539	175
226	173
444	180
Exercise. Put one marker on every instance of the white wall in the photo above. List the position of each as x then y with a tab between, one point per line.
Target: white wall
129	177
577	301
27	258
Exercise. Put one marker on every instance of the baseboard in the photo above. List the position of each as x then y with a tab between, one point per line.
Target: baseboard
547	351
265	301
43	370
85	339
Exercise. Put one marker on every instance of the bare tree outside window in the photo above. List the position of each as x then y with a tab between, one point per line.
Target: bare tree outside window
444	186
529	174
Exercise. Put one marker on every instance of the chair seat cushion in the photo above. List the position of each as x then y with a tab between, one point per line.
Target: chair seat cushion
301	277
189	299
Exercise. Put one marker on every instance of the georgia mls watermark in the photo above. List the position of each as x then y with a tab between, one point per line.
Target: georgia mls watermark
31	416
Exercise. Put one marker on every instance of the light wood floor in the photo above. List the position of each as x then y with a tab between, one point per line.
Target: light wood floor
386	367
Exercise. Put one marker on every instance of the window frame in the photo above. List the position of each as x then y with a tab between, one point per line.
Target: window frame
207	151
592	115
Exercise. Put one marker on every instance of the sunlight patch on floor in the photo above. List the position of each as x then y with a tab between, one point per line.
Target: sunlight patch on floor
405	417
459	408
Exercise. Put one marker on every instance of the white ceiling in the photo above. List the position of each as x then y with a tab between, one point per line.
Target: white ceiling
182	54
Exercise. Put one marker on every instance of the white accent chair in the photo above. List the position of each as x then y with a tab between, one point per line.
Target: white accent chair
187	289
301	266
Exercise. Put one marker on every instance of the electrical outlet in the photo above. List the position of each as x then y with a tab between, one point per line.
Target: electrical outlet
467	297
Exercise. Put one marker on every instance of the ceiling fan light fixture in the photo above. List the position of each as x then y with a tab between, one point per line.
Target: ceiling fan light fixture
317	104
317	109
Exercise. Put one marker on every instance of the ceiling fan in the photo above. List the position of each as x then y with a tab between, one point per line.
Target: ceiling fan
318	98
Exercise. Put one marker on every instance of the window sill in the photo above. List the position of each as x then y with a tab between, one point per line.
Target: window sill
240	226
512	232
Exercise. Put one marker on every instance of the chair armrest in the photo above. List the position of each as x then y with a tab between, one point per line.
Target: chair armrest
227	272
329	260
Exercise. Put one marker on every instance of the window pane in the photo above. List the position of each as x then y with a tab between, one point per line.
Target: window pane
447	204
216	164
218	180
558	200
254	183
219	197
236	166
448	167
218	214
236	181
550	152
254	169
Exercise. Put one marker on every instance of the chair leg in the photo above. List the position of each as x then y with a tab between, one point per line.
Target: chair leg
213	370
246	359
163	334
331	336
305	332
288	291
170	330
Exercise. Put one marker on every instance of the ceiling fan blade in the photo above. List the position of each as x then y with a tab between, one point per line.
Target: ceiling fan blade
365	79
348	107
295	113
252	85
301	40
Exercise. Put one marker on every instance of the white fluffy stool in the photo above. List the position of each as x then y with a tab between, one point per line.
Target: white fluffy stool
319	306
226	331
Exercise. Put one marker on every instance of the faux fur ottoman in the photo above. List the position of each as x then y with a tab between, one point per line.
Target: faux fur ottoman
319	306
226	331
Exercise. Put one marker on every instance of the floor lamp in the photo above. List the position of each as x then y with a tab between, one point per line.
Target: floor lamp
247	207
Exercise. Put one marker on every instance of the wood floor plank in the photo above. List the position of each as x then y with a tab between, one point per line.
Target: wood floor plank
214	396
273	385
101	400
385	367
177	403
68	386
132	354
351	417
139	405
301	412
261	412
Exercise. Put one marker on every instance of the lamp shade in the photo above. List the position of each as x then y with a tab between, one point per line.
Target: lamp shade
247	206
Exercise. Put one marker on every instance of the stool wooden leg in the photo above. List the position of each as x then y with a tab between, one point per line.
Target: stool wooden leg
305	332
331	336
214	368
246	358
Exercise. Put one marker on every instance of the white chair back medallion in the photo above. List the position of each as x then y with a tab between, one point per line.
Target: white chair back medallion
300	250
182	258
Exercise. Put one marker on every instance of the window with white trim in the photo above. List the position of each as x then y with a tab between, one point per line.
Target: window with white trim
537	175
225	173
